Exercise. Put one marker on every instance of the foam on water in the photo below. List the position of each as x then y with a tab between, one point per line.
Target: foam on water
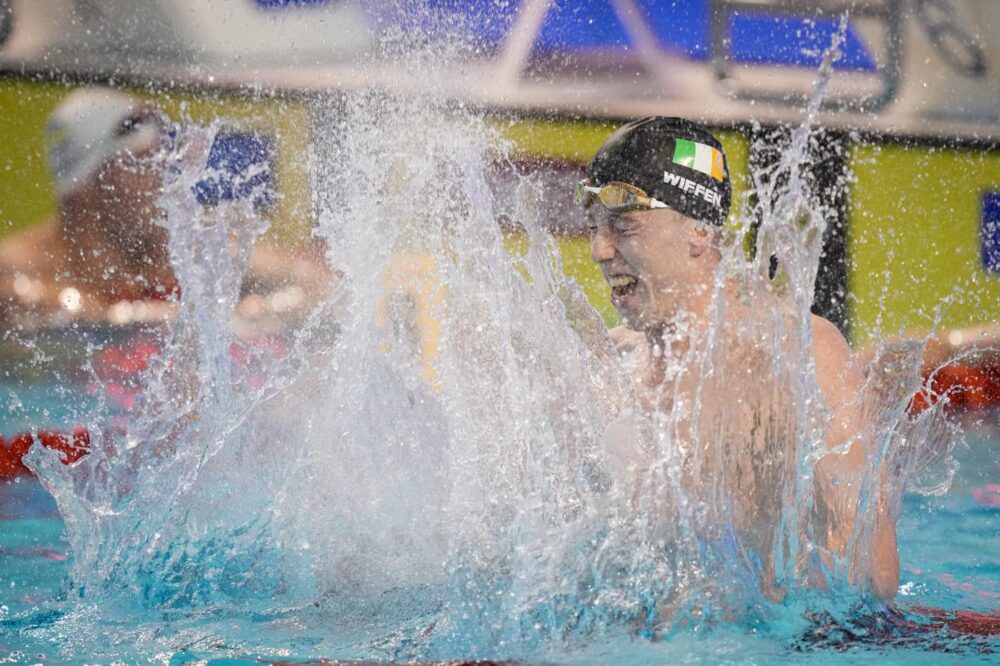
501	492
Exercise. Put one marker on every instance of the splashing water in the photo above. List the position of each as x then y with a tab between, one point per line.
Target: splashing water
452	460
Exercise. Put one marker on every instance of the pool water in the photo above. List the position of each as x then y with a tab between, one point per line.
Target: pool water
950	577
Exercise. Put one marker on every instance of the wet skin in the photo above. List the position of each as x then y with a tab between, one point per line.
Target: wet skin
661	266
656	253
109	230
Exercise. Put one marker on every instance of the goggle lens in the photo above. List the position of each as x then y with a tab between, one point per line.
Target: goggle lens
616	196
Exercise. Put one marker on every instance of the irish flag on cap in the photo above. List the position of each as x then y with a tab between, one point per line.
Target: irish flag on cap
699	157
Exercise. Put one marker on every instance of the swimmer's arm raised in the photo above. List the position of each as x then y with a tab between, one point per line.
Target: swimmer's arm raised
840	473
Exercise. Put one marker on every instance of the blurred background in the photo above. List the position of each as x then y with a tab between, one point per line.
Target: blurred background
912	117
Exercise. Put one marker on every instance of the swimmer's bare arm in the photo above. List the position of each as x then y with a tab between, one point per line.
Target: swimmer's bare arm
840	474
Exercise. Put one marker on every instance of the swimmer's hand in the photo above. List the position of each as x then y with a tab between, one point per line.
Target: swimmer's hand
626	340
583	318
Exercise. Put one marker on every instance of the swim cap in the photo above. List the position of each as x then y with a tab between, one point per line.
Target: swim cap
89	126
676	161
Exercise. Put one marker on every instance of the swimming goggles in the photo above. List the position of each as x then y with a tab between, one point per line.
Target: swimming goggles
139	119
616	196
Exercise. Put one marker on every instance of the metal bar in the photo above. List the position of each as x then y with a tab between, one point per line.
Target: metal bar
646	44
890	72
520	40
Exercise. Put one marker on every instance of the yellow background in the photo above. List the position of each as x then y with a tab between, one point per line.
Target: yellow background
914	242
914	212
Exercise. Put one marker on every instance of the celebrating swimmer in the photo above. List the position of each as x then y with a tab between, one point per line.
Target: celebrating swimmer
656	196
105	246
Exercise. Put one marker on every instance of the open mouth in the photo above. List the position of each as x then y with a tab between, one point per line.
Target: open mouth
622	286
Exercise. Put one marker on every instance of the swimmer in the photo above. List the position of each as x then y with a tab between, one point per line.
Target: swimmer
656	196
103	246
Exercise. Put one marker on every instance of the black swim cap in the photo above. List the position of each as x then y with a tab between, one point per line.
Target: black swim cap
674	160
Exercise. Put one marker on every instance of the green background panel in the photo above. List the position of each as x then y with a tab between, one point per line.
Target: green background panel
914	242
26	193
560	140
577	264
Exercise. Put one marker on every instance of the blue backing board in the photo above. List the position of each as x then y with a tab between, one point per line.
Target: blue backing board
682	27
991	232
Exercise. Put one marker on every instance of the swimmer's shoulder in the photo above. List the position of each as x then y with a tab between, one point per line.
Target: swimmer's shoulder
837	366
827	336
829	344
27	250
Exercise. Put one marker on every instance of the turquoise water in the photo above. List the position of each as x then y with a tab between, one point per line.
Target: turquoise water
948	551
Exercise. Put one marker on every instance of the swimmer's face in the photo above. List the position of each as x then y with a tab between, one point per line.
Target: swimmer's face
646	256
125	193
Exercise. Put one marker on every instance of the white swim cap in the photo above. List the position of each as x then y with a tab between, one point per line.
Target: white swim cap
91	125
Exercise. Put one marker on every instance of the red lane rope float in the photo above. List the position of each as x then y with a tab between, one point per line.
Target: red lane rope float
965	387
120	370
72	445
961	621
